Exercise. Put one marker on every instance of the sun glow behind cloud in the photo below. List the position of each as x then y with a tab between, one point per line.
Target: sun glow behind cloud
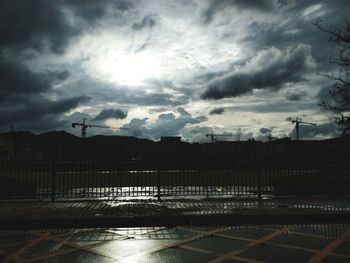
180	63
128	68
130	59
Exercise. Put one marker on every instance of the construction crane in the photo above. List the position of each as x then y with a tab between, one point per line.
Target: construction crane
297	121
84	127
212	135
270	138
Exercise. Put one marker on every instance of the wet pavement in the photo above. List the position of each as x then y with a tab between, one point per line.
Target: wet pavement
280	229
256	243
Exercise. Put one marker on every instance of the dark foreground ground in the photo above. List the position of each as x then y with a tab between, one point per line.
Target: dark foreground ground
218	230
252	244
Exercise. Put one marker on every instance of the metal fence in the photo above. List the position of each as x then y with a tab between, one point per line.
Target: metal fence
168	179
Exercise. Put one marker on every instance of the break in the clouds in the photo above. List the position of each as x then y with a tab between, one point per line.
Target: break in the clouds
166	67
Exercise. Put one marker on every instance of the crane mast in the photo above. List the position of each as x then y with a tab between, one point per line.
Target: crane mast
270	138
84	127
297	122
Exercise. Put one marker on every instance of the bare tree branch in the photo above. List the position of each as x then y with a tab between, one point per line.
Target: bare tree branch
340	93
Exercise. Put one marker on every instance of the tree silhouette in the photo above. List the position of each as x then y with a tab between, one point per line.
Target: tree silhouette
339	94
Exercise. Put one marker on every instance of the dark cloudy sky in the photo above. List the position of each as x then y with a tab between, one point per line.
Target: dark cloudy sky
163	67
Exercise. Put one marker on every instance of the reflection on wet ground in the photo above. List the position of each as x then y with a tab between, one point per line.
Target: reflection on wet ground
268	243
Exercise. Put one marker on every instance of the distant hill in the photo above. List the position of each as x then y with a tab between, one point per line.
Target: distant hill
63	145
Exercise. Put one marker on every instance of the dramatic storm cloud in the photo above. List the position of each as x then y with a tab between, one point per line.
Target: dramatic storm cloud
295	95
270	69
147	21
159	68
16	78
110	114
41	24
217	111
167	124
31	111
215	7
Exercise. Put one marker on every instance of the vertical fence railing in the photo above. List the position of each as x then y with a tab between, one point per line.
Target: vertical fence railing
113	179
53	180
259	179
158	180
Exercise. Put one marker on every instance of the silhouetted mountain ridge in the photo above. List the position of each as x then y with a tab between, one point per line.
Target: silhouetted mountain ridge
63	145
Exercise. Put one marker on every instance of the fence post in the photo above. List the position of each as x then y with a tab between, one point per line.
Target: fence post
258	174
208	173
53	180
158	181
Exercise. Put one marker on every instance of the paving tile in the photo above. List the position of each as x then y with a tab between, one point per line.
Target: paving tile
44	247
133	232
335	259
328	231
12	248
343	248
272	253
14	237
300	241
217	244
77	256
173	255
167	234
55	232
89	237
130	247
248	232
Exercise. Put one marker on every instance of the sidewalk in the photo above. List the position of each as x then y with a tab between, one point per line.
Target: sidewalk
86	214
